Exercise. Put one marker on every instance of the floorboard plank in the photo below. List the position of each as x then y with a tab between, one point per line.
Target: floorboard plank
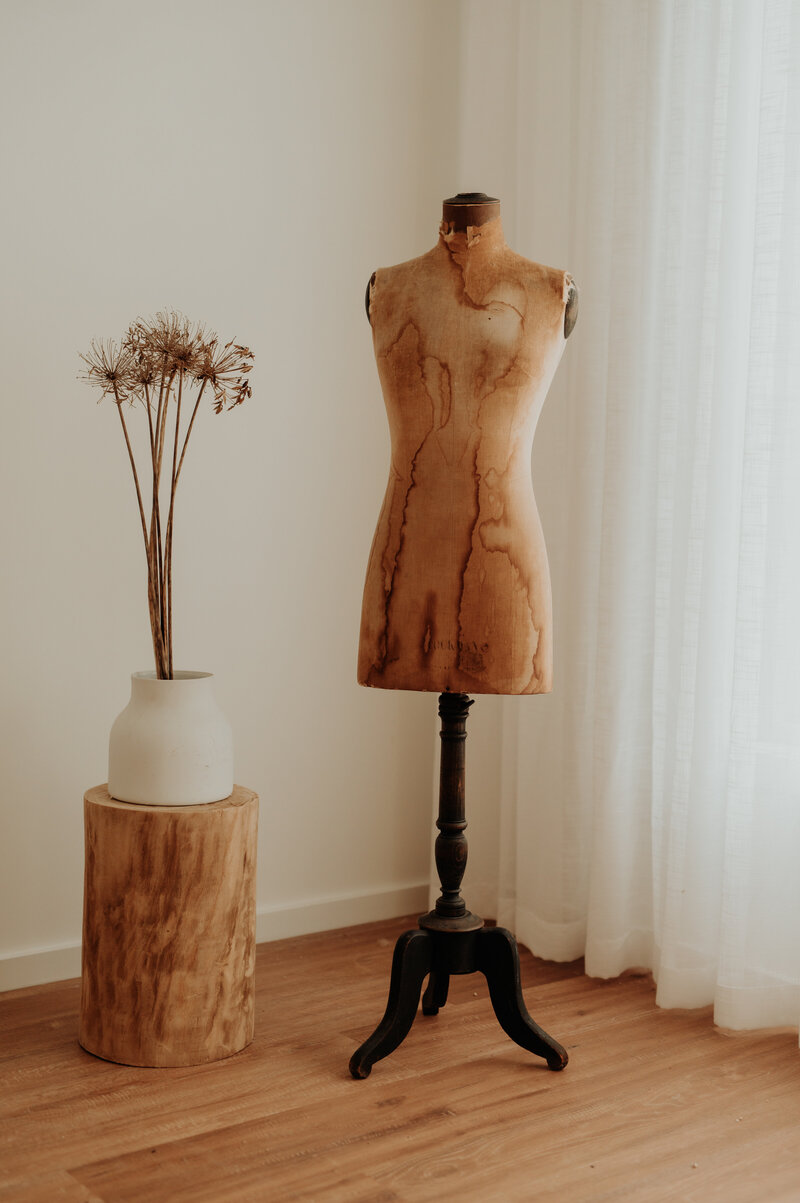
654	1105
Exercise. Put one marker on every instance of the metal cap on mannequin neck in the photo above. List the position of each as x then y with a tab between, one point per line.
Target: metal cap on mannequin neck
470	209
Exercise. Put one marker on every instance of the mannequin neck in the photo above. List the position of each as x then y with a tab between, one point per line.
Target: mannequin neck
473	242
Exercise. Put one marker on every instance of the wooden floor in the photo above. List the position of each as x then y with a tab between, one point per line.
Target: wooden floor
655	1105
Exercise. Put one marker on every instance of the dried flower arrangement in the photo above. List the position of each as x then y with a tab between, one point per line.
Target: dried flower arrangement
159	364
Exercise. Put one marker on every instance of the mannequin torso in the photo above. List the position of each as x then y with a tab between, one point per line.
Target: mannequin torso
467	339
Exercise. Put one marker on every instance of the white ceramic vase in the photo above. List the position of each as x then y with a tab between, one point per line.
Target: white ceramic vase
171	745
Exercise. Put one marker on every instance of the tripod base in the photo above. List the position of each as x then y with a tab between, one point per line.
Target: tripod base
437	954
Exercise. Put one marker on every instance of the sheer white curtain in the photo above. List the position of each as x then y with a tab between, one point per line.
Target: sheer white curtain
650	807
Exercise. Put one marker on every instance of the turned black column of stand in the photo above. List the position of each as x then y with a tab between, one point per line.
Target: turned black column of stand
450	939
450	912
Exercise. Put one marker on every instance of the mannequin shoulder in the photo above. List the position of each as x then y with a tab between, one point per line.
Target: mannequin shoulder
368	294
553	282
394	281
571	309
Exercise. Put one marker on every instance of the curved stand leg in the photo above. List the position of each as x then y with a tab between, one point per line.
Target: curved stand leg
450	939
435	995
410	966
498	960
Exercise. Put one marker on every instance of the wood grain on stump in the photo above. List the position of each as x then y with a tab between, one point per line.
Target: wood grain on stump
168	930
457	596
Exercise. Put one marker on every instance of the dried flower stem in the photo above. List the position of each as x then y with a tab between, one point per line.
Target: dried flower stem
152	355
133	465
188	432
152	601
170	517
143	369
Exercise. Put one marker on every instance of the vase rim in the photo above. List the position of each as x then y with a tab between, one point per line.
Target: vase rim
180	674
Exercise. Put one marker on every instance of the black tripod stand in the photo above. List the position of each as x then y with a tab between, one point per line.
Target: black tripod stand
450	939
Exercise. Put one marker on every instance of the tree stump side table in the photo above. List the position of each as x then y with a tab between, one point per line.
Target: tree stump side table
168	929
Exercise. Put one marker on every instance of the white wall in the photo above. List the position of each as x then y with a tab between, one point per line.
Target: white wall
250	164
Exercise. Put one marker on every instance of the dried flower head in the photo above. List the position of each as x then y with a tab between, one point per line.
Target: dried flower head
225	369
110	367
145	374
167	341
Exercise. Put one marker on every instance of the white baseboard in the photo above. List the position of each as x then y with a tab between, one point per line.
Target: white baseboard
36	968
339	910
273	922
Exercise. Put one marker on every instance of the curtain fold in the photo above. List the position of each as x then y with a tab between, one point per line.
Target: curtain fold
649	809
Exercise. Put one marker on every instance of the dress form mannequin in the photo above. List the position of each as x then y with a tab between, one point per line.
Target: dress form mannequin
457	597
467	339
